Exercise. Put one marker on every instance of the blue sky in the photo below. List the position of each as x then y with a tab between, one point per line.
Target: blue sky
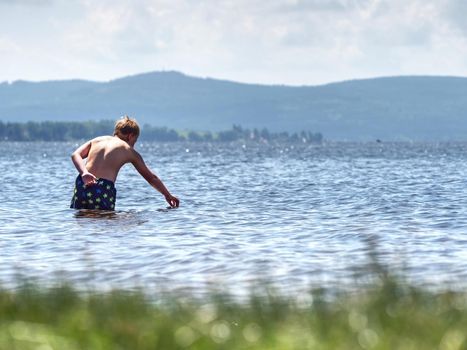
295	42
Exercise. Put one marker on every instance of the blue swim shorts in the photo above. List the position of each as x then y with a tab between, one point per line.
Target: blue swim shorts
101	195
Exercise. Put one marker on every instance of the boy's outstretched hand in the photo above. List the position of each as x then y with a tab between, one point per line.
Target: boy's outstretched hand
173	201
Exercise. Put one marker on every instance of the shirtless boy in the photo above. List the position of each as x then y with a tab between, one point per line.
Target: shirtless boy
94	188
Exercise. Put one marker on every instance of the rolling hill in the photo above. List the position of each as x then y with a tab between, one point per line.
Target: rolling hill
392	108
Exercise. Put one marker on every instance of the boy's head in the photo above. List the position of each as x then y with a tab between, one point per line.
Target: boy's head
125	127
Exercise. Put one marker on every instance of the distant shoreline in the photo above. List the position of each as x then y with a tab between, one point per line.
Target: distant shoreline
74	131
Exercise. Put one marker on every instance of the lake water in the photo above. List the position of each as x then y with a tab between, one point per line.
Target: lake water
300	216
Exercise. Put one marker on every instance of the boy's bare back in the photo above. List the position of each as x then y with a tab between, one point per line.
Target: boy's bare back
106	155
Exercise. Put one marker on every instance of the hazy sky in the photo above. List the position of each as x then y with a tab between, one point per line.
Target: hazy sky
266	41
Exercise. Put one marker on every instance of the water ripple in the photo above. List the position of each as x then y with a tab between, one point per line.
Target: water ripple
297	215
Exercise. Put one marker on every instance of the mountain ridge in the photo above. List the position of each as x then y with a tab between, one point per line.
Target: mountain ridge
396	108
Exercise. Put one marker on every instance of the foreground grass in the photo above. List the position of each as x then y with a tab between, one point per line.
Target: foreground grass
390	316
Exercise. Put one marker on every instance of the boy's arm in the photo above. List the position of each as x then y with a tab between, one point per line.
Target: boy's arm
78	160
153	180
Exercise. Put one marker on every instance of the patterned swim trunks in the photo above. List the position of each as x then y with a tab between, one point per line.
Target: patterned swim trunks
102	195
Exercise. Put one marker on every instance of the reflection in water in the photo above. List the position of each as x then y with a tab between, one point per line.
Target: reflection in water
298	214
112	218
95	214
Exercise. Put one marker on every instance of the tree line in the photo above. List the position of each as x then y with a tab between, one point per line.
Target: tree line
69	131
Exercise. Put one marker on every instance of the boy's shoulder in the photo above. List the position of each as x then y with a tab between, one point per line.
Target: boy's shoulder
116	144
111	143
102	138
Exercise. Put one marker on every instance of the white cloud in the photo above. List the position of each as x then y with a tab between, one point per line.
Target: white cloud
278	41
26	2
8	47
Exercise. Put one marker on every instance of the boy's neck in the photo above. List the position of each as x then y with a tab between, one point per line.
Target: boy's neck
127	139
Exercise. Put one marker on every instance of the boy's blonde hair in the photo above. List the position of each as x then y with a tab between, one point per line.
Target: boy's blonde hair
126	126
